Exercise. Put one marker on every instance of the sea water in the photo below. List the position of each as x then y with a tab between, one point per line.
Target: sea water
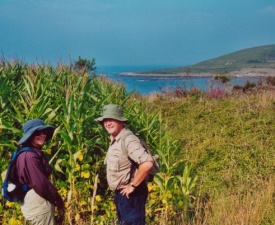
146	84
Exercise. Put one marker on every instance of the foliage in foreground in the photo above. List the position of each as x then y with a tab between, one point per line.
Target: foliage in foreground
71	101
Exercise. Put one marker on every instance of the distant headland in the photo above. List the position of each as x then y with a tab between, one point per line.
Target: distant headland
251	62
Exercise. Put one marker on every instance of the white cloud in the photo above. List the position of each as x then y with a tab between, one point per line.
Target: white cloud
269	9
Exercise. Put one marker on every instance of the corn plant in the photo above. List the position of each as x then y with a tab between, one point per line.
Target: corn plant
71	102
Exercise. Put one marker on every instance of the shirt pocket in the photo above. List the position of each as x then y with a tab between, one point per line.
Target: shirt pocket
113	163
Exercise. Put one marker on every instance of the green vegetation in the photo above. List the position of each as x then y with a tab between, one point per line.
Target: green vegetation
257	57
216	149
70	101
231	143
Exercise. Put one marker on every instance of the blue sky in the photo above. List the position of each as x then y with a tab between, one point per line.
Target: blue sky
134	32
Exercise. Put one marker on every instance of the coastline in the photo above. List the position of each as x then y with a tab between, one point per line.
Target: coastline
246	72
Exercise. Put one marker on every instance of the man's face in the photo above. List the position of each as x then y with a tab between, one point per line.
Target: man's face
113	127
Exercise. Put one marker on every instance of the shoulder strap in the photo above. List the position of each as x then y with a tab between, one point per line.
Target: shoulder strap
20	150
134	166
123	145
9	176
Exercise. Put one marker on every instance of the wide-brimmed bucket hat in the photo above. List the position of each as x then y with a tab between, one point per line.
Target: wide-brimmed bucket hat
33	125
112	111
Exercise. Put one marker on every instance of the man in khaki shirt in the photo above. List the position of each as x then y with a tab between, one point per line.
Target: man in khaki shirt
126	174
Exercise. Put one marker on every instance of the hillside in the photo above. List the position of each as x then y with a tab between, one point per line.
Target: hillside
256	60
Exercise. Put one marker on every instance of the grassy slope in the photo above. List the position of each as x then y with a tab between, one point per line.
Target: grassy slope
230	142
235	133
260	57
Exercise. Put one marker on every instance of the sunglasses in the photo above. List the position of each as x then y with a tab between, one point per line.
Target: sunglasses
39	132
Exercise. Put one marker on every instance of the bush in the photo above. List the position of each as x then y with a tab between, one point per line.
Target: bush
270	80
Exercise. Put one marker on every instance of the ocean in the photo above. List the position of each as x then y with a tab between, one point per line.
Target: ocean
146	85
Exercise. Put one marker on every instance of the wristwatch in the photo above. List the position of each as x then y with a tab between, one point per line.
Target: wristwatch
133	185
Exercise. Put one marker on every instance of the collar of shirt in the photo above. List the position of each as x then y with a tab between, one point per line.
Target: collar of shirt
118	137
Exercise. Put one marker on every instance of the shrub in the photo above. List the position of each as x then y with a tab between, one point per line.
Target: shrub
270	80
248	86
223	78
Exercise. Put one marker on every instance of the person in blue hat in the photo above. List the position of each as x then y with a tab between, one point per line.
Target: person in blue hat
33	169
126	172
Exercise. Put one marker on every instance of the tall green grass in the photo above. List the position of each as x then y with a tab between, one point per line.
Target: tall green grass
71	101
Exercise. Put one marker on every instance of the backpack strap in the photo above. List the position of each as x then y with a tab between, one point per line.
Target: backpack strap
134	165
20	150
15	156
156	165
17	153
123	138
10	169
123	145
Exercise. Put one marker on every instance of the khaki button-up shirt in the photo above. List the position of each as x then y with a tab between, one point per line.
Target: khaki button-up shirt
118	163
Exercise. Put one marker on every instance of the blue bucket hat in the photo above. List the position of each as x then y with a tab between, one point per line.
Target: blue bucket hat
112	111
33	125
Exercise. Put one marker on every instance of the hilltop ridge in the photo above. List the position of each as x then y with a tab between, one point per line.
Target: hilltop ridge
256	61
